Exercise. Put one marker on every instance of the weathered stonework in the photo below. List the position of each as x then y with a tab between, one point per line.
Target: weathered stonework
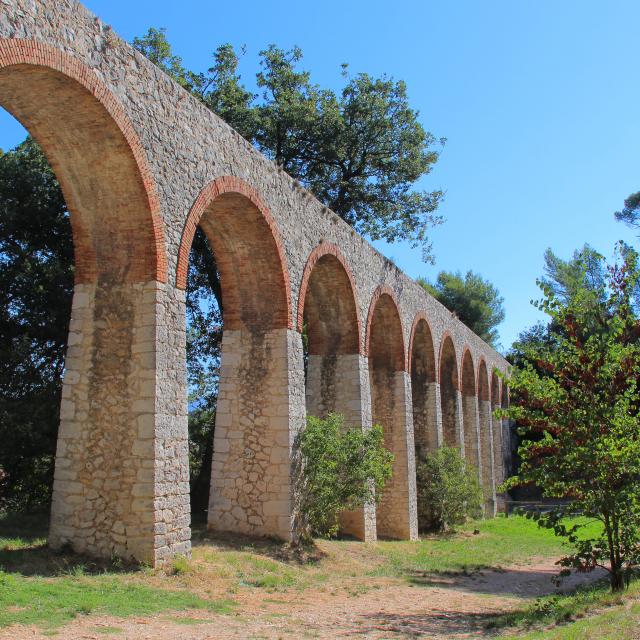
142	164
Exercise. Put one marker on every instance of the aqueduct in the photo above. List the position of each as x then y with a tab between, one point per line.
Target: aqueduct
142	164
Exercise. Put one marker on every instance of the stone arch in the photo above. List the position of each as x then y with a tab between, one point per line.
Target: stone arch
396	513
449	392
470	410
250	476
328	313
108	411
96	156
327	294
422	366
486	443
327	310
249	254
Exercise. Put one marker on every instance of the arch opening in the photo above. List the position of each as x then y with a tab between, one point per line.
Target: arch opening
423	391
330	320
385	348
449	394
423	396
119	260
334	365
470	414
249	488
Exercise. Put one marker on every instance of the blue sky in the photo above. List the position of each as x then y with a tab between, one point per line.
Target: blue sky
538	101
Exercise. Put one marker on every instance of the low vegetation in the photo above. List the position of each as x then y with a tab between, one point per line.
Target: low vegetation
341	469
448	490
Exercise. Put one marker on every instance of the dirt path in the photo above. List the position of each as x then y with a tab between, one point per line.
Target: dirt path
430	607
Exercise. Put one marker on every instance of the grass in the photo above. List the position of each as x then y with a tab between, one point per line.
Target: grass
564	617
46	589
617	624
496	543
48	602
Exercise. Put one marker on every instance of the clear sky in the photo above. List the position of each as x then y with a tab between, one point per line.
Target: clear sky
538	101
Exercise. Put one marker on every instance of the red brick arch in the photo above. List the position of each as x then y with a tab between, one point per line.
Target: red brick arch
326	263
484	392
384	300
115	211
248	246
448	351
468	381
420	318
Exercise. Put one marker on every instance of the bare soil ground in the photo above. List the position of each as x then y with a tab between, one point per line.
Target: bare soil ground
428	606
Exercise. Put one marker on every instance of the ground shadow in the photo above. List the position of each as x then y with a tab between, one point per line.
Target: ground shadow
24	550
519	582
271	547
438	622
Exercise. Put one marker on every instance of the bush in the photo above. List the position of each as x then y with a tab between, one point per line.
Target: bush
448	490
340	470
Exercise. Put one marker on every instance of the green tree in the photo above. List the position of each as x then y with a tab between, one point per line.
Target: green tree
583	274
474	300
630	213
339	470
582	401
36	286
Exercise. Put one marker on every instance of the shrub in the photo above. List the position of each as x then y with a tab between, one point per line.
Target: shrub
448	490
340	470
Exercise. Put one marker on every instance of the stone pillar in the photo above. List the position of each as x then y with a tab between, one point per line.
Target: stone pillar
486	458
335	385
470	430
425	418
460	426
121	484
396	515
438	415
259	413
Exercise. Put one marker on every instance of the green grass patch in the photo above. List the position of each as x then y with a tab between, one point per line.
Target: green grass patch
51	602
499	542
621	623
261	572
567	614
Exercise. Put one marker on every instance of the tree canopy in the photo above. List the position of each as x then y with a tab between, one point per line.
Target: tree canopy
473	299
36	285
578	410
630	213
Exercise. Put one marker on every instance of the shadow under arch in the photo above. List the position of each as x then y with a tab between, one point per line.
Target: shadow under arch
422	366
335	369
103	496
396	515
449	391
470	411
250	472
